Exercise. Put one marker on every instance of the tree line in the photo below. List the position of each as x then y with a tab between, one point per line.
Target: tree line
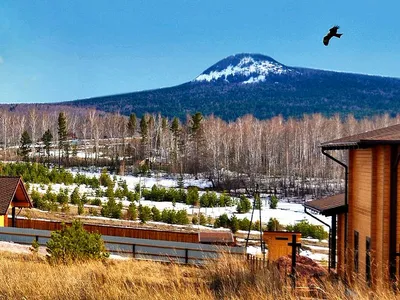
241	153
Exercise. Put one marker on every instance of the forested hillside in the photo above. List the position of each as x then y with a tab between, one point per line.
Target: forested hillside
258	85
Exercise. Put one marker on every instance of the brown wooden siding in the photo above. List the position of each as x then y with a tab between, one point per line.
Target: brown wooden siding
188	237
361	192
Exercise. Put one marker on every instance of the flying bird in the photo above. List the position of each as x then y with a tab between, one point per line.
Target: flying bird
332	32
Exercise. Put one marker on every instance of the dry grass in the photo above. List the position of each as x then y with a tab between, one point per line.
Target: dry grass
31	277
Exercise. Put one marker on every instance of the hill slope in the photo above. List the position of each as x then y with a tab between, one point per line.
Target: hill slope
259	85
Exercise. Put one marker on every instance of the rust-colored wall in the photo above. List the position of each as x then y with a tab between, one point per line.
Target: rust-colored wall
359	216
188	237
369	212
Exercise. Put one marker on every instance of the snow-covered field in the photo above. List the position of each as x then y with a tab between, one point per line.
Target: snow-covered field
287	213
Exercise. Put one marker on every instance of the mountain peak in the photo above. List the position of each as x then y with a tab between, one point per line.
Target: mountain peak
243	68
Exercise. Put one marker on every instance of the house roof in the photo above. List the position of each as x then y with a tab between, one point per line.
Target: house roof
220	237
12	189
386	135
328	206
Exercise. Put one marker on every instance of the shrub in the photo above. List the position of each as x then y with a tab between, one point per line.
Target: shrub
75	197
192	196
273	202
144	213
131	213
203	220
155	214
195	220
96	201
309	230
73	243
112	209
244	224
222	221
182	217
234	224
244	205
273	225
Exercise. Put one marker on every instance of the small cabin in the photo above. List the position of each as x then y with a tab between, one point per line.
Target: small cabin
13	195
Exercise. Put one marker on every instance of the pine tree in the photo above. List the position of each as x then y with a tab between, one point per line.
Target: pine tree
62	137
25	146
132	124
144	132
47	139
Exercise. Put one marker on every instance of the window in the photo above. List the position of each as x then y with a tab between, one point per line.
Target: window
356	246
368	261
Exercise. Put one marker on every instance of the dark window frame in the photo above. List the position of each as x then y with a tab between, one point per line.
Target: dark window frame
356	249
368	277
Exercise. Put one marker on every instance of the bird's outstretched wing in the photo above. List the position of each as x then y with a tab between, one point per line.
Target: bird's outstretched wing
326	39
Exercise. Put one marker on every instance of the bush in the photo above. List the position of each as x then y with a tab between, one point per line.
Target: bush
144	213
244	205
273	225
75	197
195	220
112	209
203	219
309	230
155	214
96	201
244	224
131	213
273	202
73	243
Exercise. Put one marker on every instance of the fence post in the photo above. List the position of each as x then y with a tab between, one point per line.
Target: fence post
133	250
186	256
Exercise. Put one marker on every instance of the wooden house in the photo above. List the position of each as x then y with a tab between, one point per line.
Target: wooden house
12	195
366	220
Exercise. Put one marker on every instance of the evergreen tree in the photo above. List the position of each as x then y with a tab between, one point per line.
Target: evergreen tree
144	213
197	139
47	138
75	197
25	146
144	132
62	137
234	224
112	209
132	124
273	202
155	214
132	212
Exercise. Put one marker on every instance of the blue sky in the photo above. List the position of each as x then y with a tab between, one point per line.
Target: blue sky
64	50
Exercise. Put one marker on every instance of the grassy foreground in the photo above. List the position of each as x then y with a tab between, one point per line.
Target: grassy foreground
31	277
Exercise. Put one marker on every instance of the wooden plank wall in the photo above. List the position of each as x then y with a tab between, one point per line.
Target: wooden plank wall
188	237
360	194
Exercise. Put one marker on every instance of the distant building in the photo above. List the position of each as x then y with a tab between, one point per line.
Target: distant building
12	195
368	214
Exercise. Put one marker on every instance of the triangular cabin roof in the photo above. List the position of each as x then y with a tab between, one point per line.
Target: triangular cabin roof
381	136
13	192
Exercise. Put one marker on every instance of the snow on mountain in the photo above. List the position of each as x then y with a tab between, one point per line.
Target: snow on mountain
244	68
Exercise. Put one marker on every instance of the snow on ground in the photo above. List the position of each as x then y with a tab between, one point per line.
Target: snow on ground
315	256
286	213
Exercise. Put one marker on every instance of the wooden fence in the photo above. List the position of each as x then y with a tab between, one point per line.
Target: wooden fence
122	231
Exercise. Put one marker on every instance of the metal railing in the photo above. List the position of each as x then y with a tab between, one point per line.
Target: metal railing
157	250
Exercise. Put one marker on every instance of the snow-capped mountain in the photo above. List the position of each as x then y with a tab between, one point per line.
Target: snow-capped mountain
259	85
244	68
